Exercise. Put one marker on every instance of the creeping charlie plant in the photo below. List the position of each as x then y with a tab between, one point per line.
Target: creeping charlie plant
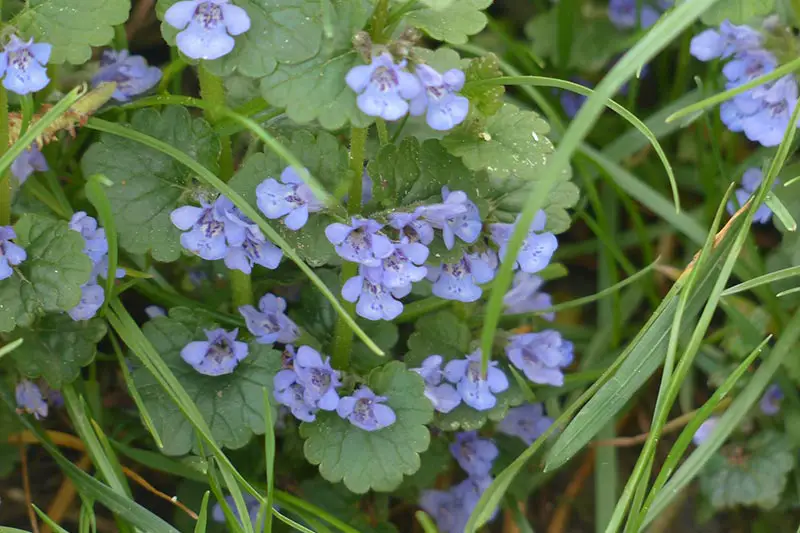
323	263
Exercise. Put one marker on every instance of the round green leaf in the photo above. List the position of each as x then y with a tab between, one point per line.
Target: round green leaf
148	184
754	474
50	278
375	460
71	26
57	348
453	25
232	405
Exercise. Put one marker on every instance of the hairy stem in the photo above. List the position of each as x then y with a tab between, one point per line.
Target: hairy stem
343	335
213	93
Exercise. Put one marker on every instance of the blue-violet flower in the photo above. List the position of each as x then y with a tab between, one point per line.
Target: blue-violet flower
459	281
476	391
269	322
524	296
383	87
318	378
23	64
11	254
770	403
457	216
751	180
537	248
27	162
132	74
360	242
445	108
207	26
291	198
365	410
541	356
30	399
218	355
443	396
526	422
375	300
474	454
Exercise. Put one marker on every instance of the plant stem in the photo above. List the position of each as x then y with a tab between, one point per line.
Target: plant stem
213	93
5	185
383	133
343	335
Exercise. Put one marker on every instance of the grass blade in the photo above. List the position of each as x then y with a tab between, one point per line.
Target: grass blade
10	347
96	194
202	516
781	212
269	455
641	359
772	277
49	521
209	177
425	522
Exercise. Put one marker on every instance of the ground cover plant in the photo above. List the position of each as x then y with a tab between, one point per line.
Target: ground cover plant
399	265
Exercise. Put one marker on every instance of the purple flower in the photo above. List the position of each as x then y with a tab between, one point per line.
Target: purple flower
526	422
318	378
27	162
622	14
360	242
269	322
474	454
131	74
476	391
217	356
204	229
541	356
291	393
401	268
705	430
443	396
383	87
537	248
252	248
571	102
445	108
375	301
456	217
751	181
459	281
10	254
365	410
30	400
770	403
447	509
208	25
23	64
291	198
92	298
730	39
411	227
524	296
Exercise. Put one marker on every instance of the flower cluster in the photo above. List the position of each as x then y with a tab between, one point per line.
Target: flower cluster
623	13
763	112
751	180
23	65
131	74
537	248
541	356
96	248
308	383
388	91
219	230
452	508
526	422
220	354
207	27
11	254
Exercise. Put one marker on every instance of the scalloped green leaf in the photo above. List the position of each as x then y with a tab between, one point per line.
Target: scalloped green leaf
73	27
454	24
147	184
753	475
737	11
513	148
326	159
57	348
375	460
50	278
316	90
232	405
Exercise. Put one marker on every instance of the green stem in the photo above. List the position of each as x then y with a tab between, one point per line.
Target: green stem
379	18
343	334
120	37
213	93
383	133
5	185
